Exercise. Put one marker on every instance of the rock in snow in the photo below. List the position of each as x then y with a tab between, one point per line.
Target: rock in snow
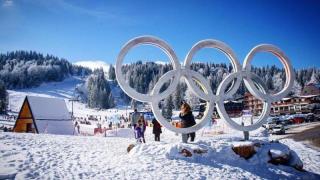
244	149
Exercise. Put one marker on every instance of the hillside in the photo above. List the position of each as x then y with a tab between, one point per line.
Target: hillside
64	89
25	69
94	65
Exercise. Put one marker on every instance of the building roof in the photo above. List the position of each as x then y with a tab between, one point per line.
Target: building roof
314	84
51	115
307	96
44	108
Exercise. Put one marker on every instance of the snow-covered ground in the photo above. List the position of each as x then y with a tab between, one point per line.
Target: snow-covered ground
44	156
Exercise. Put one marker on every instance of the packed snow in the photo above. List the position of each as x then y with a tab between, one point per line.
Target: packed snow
25	156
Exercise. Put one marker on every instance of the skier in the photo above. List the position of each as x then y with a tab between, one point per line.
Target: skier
156	129
187	120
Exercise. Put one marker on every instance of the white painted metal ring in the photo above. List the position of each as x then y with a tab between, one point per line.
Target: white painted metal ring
215	44
148	40
204	91
157	112
224	115
288	70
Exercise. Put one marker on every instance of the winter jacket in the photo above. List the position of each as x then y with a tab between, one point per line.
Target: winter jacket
156	127
139	132
187	120
134	118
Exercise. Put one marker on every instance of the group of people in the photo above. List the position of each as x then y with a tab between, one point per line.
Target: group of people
139	125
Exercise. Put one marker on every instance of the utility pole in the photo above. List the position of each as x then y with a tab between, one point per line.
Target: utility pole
72	100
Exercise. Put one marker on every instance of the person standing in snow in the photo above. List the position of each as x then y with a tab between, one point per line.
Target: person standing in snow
156	129
134	118
76	125
140	129
187	120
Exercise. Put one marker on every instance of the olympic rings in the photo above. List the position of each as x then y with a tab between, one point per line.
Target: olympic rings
253	82
151	41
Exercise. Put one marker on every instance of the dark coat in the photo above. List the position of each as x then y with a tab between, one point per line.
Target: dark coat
156	127
187	120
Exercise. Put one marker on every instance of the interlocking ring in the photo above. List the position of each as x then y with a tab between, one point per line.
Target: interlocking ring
253	82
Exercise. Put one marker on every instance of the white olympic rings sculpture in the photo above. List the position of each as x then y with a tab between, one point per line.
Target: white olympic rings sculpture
253	83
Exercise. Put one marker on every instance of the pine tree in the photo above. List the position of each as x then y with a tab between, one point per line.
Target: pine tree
168	107
112	73
177	98
3	98
133	104
192	99
296	89
99	92
313	78
270	85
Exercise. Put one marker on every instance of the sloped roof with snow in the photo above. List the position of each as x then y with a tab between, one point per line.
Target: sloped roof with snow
51	115
44	108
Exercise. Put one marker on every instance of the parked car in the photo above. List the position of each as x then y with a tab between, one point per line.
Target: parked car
298	120
278	129
310	117
271	122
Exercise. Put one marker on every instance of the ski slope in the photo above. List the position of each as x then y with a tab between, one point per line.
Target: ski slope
64	90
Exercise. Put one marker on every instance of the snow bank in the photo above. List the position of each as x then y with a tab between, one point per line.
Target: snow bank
44	156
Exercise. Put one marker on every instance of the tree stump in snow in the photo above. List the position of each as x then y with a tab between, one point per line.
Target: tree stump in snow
285	157
295	161
186	153
279	156
130	147
200	151
244	150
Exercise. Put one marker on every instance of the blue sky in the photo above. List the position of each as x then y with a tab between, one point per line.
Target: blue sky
96	30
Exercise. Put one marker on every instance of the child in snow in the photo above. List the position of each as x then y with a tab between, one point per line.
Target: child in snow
140	129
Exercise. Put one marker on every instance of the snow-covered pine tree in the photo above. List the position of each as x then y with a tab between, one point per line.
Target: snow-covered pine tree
133	104
3	97
112	73
168	108
314	79
296	89
99	92
177	97
191	98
